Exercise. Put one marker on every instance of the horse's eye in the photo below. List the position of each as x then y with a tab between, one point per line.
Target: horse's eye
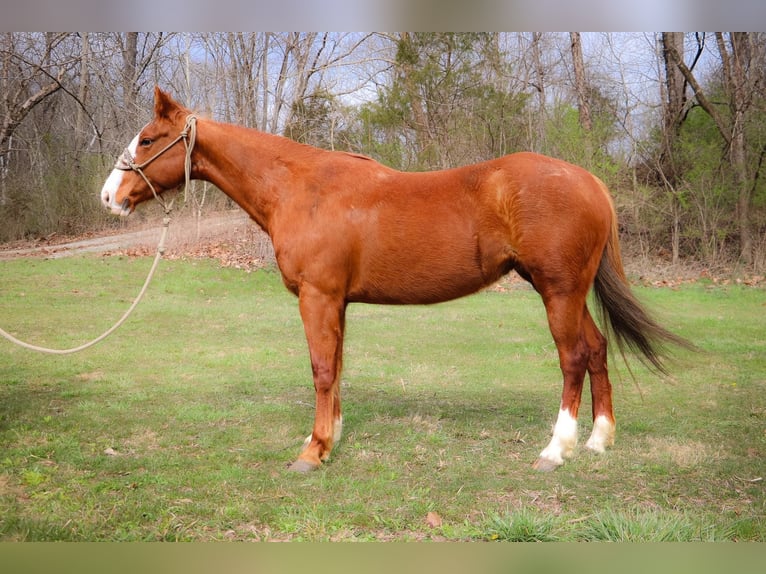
146	142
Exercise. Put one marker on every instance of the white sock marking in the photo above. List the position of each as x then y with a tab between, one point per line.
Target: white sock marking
602	435
564	439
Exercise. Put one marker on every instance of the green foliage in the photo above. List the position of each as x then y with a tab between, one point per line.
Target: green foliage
523	526
445	106
312	122
567	140
695	188
635	525
707	191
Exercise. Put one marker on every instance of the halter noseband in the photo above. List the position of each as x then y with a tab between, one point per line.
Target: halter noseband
126	161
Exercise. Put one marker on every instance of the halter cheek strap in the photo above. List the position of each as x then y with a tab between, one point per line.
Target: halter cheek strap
126	161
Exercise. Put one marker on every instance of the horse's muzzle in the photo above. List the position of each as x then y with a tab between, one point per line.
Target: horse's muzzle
123	209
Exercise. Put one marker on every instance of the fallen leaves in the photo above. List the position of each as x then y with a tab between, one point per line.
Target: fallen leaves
244	246
433	520
722	281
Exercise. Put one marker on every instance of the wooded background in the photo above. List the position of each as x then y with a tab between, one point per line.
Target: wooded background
673	122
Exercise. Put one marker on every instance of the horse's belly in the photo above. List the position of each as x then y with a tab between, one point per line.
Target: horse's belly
422	277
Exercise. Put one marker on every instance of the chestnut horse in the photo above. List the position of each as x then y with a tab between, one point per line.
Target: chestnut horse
347	229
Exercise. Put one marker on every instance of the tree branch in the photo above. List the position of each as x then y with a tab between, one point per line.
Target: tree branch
15	116
706	104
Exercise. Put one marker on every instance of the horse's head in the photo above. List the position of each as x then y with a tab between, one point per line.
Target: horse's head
154	159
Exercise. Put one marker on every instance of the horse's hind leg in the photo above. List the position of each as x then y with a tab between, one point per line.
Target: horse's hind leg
565	318
602	435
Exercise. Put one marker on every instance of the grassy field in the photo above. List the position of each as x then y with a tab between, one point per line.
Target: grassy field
180	426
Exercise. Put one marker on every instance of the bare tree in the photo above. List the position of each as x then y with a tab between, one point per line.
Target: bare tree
742	74
129	69
83	91
674	102
28	77
581	89
539	84
674	110
581	82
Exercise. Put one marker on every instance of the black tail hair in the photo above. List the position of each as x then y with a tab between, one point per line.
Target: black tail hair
622	315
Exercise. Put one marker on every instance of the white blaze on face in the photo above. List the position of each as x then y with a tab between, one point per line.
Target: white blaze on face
112	184
564	439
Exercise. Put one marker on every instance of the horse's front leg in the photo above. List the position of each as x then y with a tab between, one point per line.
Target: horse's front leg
323	320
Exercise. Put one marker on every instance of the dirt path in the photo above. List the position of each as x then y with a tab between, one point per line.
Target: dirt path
184	233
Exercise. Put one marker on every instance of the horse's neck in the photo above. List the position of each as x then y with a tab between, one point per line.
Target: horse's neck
249	166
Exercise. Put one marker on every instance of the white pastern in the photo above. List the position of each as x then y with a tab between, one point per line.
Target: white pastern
564	439
338	430
113	182
337	433
602	435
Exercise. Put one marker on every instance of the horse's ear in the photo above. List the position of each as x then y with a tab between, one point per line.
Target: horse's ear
164	105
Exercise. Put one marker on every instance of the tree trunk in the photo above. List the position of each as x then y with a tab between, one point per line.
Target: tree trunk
265	82
581	88
673	105
81	136
423	135
581	84
129	67
537	62
281	80
736	65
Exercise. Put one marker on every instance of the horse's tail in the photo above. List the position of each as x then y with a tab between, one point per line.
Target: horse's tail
622	315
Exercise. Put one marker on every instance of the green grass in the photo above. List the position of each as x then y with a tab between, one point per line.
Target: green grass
180	426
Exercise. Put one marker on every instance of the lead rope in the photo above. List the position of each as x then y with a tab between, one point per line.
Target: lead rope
118	324
189	136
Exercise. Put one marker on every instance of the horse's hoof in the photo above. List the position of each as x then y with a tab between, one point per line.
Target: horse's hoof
302	466
545	465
